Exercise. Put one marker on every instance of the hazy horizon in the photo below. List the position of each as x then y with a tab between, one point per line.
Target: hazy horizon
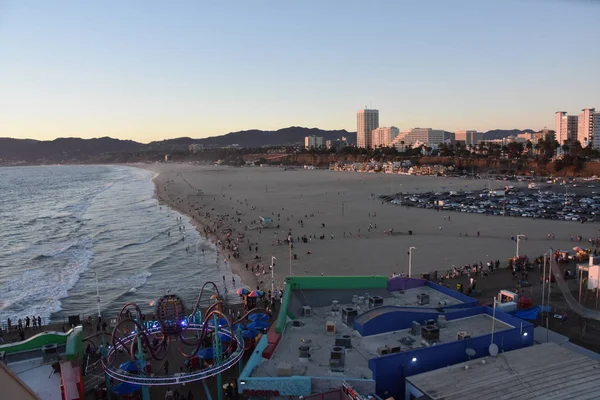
150	71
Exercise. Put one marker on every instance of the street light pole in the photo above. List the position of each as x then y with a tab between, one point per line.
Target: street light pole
290	246
410	249
272	275
97	293
518	240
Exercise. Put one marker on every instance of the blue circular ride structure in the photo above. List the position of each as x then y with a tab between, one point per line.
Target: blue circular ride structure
139	341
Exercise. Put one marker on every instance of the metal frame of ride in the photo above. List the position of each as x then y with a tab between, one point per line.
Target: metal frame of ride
174	326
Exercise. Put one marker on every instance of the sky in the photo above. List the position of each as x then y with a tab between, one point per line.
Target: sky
150	70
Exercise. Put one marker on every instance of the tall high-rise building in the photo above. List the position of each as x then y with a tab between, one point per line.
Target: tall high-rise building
585	126
596	130
468	137
566	127
382	137
366	121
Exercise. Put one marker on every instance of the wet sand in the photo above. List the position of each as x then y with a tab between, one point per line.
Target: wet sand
347	204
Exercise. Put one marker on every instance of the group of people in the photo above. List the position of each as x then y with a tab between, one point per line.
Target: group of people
175	395
25	324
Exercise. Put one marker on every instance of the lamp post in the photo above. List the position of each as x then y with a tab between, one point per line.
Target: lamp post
518	240
290	247
97	292
272	276
410	249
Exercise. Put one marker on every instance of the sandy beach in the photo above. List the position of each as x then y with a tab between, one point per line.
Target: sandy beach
344	209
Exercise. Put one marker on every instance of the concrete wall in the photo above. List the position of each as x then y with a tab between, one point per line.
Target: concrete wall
400	283
390	371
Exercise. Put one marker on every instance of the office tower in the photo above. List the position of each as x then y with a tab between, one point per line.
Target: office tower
366	121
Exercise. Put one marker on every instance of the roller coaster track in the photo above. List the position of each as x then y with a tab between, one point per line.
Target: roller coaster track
569	298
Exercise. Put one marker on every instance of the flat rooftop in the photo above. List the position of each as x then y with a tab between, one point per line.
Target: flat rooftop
403	298
363	348
545	371
38	377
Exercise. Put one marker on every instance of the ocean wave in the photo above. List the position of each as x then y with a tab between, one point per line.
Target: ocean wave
63	247
141	242
39	291
133	281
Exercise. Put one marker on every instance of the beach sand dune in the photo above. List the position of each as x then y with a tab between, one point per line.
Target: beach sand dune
339	204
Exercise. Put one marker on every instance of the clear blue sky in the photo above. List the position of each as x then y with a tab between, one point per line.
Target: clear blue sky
148	70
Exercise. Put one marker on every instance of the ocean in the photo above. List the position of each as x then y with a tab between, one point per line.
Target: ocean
62	225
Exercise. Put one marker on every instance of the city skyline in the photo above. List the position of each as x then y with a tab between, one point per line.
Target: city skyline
147	71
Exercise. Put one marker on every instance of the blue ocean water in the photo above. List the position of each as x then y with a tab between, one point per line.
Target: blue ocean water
61	225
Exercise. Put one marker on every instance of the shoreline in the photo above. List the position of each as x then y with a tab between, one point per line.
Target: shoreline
201	224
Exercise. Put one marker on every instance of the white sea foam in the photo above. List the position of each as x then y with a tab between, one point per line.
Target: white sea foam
39	291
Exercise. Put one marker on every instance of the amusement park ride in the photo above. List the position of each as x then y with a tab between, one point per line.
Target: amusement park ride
215	337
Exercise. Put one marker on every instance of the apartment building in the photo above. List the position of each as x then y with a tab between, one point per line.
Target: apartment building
383	137
566	127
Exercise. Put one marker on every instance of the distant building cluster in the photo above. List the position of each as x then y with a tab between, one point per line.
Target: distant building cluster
370	135
314	142
397	167
583	128
318	142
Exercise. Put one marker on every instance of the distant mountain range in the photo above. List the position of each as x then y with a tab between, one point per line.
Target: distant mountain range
64	150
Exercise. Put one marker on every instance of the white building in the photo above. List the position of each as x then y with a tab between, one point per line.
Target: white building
314	142
585	126
366	121
596	130
382	137
566	127
468	137
425	136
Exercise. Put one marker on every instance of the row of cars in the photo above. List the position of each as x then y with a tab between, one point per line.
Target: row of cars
509	202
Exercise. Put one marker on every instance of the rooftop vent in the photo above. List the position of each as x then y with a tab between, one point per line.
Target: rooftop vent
349	314
343	341
422	299
284	369
375	301
336	359
430	333
330	328
304	352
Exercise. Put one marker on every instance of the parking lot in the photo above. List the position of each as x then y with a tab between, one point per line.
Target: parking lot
573	201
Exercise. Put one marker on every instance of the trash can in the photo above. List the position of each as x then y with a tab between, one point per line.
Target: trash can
49	353
410	232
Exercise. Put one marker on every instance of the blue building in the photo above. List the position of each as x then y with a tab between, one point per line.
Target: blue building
372	333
